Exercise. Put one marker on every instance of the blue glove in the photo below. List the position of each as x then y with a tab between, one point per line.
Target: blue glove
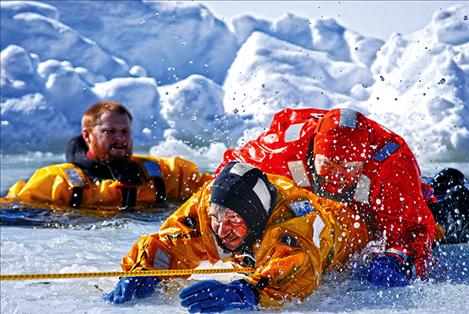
142	287
213	296
389	271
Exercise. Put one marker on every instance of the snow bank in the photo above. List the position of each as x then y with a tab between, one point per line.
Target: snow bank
269	74
170	40
35	27
190	78
18	72
194	110
36	94
41	125
422	87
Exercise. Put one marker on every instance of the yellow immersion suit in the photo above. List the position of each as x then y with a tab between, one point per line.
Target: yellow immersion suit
305	237
55	186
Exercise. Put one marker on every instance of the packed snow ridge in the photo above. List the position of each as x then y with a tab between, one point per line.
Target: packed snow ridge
196	85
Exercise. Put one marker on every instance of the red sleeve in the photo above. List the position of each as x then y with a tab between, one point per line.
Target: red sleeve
273	149
401	211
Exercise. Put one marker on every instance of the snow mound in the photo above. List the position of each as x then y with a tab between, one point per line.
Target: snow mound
294	29
57	91
31	111
64	89
328	36
171	40
452	25
244	25
24	24
194	109
269	74
18	72
422	88
186	75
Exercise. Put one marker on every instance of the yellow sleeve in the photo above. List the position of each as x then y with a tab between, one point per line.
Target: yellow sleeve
15	189
289	266
46	187
182	177
183	242
296	252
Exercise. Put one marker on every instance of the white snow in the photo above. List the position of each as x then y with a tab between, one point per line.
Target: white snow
269	74
206	158
194	110
189	76
170	40
26	26
422	88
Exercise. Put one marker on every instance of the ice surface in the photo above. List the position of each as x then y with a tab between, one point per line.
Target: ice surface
100	246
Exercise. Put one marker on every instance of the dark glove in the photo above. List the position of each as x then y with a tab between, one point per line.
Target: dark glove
389	271
213	296
451	212
142	287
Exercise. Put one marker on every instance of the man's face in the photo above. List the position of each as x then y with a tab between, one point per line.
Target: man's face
110	138
340	175
229	227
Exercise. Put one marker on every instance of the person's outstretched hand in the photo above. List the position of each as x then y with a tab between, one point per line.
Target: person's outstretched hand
388	271
125	289
213	296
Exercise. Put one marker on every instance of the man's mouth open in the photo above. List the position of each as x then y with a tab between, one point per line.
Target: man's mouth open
230	238
121	147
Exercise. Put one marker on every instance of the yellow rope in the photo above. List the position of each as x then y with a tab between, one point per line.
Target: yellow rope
159	273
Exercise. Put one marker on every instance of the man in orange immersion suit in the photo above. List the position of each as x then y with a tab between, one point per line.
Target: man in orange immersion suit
290	236
342	155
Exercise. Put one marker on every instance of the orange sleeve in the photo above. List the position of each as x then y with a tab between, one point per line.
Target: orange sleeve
183	242
47	187
295	253
402	204
182	177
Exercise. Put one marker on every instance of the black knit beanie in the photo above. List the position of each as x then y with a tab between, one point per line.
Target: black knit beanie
247	191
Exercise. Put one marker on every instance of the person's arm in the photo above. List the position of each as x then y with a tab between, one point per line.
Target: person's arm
183	241
47	187
403	215
278	145
288	267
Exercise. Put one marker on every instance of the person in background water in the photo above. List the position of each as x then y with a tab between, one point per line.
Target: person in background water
450	204
290	236
342	155
102	173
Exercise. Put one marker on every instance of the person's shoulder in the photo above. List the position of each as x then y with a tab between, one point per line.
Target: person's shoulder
70	173
389	149
58	168
140	158
288	193
173	162
282	183
399	165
